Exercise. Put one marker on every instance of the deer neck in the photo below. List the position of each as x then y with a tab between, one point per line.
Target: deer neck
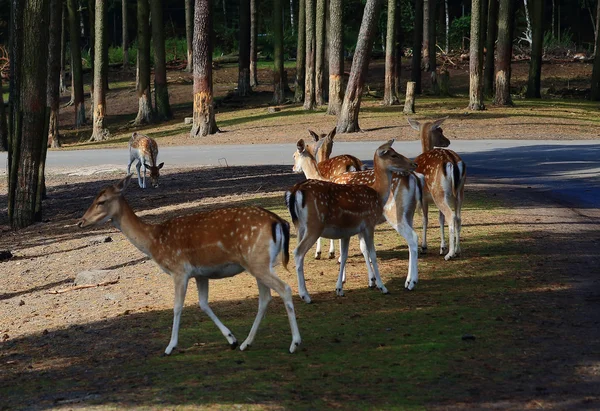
140	234
426	144
311	170
382	183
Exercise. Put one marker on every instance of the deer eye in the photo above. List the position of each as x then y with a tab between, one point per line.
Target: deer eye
99	203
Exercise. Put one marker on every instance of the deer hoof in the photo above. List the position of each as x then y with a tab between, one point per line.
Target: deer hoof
233	345
339	292
409	285
331	256
306	299
423	250
383	290
318	255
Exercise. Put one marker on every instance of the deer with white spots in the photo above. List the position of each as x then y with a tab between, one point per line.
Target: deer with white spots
208	245
145	150
321	208
445	175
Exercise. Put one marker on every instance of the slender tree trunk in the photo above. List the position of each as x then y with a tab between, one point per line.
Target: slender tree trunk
309	83
292	17
300	53
92	36
125	42
204	113
319	51
3	123
389	95
426	27
76	69
504	51
278	86
492	30
597	26
161	90
415	74
595	94
189	34
224	13
99	130
431	55
244	88
63	48
447	12
336	57
476	59
253	44
144	94
348	119
409	103
535	64
53	81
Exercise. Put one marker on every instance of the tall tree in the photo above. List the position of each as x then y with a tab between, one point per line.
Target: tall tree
99	130
125	35
189	34
53	81
389	94
161	89
204	113
309	80
537	43
492	30
348	119
253	44
76	69
476	59
415	73
336	57
430	60
244	88
427	23
29	117
63	48
278	86
301	53
3	124
399	49
595	95
504	52
319	51
144	94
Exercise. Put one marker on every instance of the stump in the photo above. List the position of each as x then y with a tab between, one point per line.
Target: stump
444	83
409	103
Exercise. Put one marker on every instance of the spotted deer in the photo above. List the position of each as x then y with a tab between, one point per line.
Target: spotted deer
208	245
445	175
145	150
321	208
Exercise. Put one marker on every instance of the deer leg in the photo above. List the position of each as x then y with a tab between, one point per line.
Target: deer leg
138	166
318	252
458	223
144	177
412	240
425	207
331	249
339	287
365	252
443	245
447	213
129	165
368	238
303	246
264	297
202	285
180	281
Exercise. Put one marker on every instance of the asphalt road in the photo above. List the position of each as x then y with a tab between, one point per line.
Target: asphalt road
568	171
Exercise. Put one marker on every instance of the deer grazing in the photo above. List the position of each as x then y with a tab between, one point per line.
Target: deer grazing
208	245
321	208
445	175
145	150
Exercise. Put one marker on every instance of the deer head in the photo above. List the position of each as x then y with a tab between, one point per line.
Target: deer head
106	204
154	173
322	145
431	133
304	160
386	158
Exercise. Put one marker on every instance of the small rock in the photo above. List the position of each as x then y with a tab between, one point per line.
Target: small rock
5	255
100	239
188	120
468	337
21	303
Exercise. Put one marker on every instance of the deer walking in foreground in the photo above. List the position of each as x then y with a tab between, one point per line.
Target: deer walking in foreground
321	208
145	150
445	175
208	245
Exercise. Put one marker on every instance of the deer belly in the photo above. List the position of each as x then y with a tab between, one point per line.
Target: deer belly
217	271
335	233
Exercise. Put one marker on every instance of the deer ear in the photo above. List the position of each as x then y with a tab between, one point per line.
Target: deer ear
122	185
384	148
331	134
161	165
437	123
318	145
147	166
314	135
414	123
134	134
301	146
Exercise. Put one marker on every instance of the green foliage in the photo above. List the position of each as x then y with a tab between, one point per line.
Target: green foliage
460	28
553	45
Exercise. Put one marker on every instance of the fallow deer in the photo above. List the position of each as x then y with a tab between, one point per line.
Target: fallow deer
145	150
321	208
208	245
445	175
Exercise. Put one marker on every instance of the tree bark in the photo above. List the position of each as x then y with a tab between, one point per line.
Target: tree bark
309	81
63	47
253	44
409	103
300	53
430	63
189	34
244	88
399	51
319	51
336	57
204	114
504	51
3	123
348	119
492	30
278	86
476	59
99	130
53	81
427	22
415	74
595	94
125	35
535	64
161	89
389	95
144	94
76	69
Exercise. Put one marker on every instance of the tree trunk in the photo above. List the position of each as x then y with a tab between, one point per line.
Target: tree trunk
76	69
595	95
53	80
92	42
292	16
63	48
99	130
300	53
597	26
144	94
319	51
389	95
476	59
244	88
504	51
125	35
161	90
399	51
278	86
204	113
30	120
447	12
3	123
309	82
348	119
427	22
415	74
336	57
492	30
537	45
253	44
189	34
431	55
444	83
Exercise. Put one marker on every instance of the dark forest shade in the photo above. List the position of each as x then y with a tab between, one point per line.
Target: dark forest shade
161	90
244	88
415	73
301	53
535	63
492	30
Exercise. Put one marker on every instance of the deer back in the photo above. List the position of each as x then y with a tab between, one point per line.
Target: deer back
442	168
338	165
144	147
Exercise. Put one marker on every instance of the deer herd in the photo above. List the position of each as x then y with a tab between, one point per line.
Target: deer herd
341	198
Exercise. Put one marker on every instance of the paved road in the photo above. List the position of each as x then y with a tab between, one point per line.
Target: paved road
569	171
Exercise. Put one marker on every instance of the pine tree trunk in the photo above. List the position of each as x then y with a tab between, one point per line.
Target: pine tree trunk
336	57
492	30
319	51
125	42
204	114
476	59
504	51
398	50
189	34
309	82
144	95
161	90
278	86
301	53
3	123
348	119
415	74
253	44
63	48
53	81
389	96
99	130
244	88
595	94
430	63
76	69
535	64
409	103
92	43
426	28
